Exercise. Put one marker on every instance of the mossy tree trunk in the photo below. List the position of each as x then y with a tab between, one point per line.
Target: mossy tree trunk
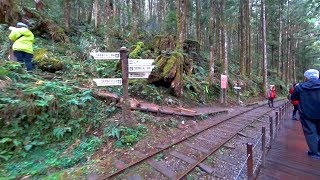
171	65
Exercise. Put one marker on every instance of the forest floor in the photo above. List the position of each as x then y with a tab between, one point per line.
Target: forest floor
162	130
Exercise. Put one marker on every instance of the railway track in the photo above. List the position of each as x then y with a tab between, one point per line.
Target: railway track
184	157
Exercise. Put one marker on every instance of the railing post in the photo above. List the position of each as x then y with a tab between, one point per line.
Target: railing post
271	129
280	112
249	161
263	146
277	121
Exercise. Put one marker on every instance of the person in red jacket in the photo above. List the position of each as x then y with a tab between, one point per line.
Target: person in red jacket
271	94
294	102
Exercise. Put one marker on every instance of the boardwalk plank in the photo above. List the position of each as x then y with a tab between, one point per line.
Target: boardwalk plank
287	159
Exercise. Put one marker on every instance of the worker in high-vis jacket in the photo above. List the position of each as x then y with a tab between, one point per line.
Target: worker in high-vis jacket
22	47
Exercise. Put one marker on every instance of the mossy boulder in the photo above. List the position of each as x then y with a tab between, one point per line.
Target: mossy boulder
46	61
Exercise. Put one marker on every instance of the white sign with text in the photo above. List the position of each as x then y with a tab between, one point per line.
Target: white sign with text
105	55
108	81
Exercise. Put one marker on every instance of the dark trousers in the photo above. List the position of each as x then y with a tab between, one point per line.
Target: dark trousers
295	109
24	58
311	130
270	102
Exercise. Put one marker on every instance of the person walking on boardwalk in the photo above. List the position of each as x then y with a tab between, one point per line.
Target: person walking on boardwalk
295	103
308	95
22	47
271	95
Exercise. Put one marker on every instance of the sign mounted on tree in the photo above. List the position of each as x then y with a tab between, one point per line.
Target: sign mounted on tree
224	81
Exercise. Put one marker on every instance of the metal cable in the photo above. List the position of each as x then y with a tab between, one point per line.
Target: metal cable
258	162
257	141
242	166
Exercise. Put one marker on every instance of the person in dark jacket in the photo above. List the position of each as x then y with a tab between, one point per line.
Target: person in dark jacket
308	95
294	103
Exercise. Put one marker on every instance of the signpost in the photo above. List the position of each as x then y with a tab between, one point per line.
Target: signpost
131	68
125	83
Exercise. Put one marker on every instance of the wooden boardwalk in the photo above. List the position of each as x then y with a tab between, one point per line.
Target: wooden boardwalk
287	159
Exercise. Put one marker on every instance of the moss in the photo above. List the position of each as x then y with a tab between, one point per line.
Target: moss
136	53
176	59
46	61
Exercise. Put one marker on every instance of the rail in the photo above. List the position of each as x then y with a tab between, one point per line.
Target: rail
251	171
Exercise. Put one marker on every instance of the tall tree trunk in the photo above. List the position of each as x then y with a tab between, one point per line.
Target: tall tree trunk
108	8
296	45
279	67
134	29
89	12
248	39
67	17
150	5
181	21
264	45
242	38
198	14
224	40
212	43
96	14
287	68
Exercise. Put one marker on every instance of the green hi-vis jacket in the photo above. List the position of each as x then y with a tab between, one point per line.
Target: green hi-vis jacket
23	39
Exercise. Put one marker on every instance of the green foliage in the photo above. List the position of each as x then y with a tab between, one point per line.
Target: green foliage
42	160
142	117
42	112
137	51
125	137
60	132
150	92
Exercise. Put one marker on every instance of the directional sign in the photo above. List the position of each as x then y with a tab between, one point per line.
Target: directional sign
139	75
224	81
142	62
134	68
108	82
106	55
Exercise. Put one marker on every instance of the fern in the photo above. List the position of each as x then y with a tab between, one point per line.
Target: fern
60	132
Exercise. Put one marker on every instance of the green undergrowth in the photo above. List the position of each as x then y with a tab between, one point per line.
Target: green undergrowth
125	136
41	161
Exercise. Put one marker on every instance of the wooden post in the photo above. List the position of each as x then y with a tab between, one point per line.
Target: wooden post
249	161
280	113
263	146
277	124
271	129
125	83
